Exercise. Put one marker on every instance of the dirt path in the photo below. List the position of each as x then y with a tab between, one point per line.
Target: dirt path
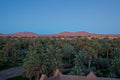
12	72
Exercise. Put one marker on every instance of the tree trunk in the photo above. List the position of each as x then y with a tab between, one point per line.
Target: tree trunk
89	64
107	53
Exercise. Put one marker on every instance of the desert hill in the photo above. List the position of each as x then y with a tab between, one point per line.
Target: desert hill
63	34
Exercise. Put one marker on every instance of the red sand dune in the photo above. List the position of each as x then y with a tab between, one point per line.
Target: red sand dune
65	34
21	34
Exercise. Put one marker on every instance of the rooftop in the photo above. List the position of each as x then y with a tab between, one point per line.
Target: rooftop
59	76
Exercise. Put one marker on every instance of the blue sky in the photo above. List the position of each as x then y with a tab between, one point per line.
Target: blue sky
54	16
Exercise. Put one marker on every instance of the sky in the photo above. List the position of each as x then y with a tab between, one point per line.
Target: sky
54	16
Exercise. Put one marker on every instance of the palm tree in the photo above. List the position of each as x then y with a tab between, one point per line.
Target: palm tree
106	47
95	44
2	58
55	58
35	65
78	64
68	52
15	55
90	55
7	48
116	66
77	70
41	61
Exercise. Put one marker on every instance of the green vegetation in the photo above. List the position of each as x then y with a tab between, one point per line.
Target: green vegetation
43	55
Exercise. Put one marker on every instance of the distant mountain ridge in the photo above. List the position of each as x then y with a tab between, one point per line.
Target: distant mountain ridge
63	34
21	34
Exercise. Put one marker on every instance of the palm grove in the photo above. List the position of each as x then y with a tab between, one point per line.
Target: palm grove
43	55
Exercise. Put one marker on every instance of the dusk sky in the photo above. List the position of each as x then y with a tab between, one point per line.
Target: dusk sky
54	16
